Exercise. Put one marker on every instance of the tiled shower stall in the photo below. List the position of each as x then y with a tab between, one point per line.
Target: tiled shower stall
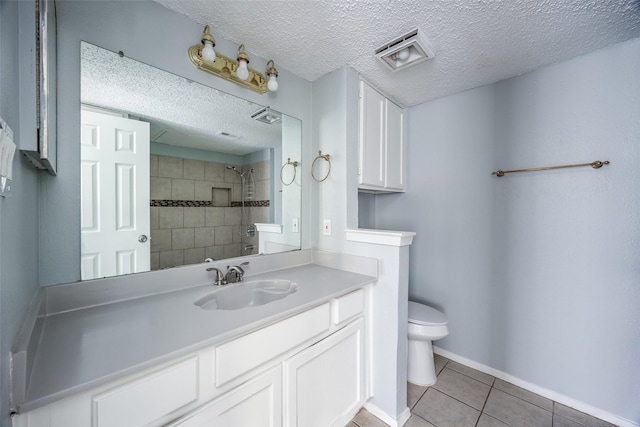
196	210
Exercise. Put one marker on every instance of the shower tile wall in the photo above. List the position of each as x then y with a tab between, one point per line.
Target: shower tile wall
182	235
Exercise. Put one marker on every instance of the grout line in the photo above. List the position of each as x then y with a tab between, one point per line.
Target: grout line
485	403
475	379
456	399
553	406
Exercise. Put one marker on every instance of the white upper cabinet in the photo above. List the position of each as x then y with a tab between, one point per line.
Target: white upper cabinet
382	143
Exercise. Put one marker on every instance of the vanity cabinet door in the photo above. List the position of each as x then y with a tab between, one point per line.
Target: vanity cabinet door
257	403
382	143
371	171
395	175
324	384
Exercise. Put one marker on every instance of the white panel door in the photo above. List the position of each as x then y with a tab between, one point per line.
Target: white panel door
395	147
114	186
324	384
257	403
372	137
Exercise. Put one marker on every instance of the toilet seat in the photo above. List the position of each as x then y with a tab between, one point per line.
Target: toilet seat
421	314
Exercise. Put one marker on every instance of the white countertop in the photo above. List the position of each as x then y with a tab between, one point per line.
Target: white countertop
84	348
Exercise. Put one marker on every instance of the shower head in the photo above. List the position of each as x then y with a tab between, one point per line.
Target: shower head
233	168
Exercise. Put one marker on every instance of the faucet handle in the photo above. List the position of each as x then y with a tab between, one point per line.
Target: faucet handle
234	273
219	280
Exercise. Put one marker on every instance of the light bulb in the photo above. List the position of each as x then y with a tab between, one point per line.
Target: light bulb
272	84
208	54
403	54
243	71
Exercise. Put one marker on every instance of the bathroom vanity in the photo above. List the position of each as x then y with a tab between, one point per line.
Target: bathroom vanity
114	358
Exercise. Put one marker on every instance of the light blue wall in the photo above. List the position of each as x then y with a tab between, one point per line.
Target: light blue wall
335	132
537	272
126	26
18	212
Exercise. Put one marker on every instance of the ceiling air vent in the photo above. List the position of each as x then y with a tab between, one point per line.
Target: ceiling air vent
227	134
267	115
405	51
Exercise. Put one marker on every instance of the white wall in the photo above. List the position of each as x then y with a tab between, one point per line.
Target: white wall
126	26
18	212
537	272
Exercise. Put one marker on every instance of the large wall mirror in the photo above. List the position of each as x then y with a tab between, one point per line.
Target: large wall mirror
174	172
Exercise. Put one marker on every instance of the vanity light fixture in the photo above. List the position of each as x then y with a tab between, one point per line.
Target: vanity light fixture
208	43
205	58
243	60
406	50
272	76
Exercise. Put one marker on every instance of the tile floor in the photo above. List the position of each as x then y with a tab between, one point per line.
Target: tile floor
464	397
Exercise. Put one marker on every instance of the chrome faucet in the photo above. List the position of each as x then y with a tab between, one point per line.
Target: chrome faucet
235	273
220	280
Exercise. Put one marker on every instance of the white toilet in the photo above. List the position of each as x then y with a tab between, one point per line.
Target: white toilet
426	324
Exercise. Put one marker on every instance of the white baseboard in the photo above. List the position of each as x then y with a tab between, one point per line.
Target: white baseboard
549	394
379	413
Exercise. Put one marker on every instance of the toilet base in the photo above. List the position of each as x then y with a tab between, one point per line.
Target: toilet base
421	367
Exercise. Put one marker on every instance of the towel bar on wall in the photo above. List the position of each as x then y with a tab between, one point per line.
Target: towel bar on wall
596	165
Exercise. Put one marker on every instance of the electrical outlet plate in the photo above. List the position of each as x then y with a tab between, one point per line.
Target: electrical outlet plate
294	225
326	227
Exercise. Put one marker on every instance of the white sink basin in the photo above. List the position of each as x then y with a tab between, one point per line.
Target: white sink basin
246	294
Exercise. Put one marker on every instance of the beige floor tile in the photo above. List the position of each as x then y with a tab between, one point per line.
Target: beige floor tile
559	421
416	421
579	417
445	411
414	393
523	394
440	362
365	419
470	372
352	424
463	388
487	421
516	412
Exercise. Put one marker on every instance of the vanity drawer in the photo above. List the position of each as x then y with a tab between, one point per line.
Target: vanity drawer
141	402
250	351
348	306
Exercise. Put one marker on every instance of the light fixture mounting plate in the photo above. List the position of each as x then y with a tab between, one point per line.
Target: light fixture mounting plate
225	68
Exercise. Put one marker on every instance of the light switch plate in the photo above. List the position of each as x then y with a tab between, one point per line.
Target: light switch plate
326	227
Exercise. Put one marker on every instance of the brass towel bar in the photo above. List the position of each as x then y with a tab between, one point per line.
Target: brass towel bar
596	165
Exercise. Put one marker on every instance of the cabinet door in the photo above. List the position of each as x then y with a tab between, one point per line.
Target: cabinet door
324	384
395	147
371	171
256	403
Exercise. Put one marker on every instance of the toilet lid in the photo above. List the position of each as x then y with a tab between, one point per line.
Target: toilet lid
421	314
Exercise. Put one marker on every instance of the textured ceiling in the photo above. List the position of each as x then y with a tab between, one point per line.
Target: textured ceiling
477	42
180	111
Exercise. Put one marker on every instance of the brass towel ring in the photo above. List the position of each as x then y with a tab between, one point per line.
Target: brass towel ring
324	157
295	165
